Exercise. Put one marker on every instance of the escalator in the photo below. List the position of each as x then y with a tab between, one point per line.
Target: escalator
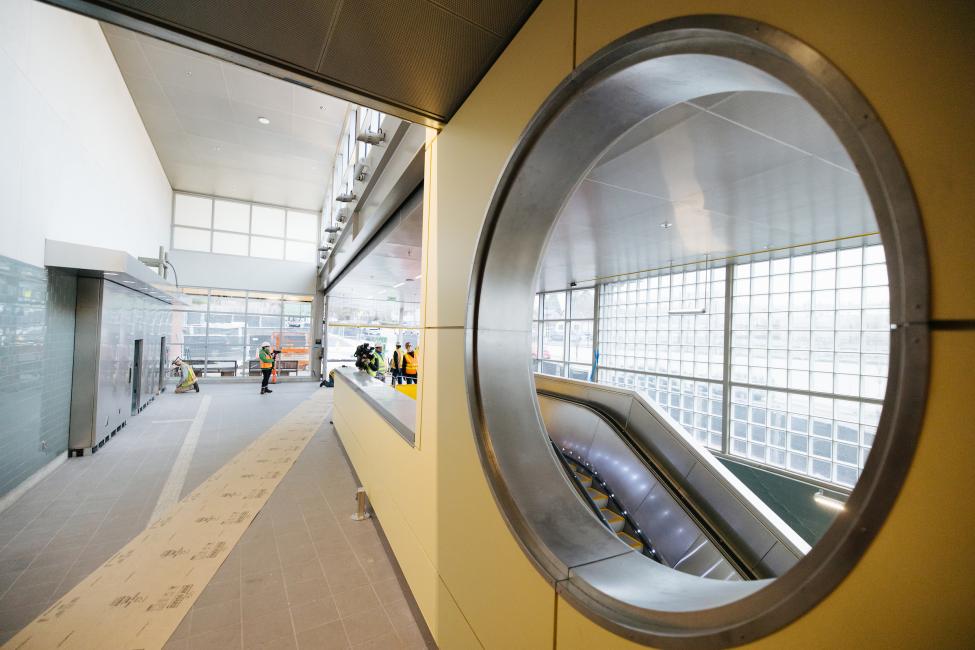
658	491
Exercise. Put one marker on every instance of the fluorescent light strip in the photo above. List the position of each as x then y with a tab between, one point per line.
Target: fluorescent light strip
828	502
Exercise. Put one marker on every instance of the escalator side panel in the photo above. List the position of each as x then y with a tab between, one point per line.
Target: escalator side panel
742	529
572	430
620	467
670	528
653	508
666	448
778	560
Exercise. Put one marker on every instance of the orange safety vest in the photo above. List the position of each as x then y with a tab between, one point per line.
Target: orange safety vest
267	361
411	364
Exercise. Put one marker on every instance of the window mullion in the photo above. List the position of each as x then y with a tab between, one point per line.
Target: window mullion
726	370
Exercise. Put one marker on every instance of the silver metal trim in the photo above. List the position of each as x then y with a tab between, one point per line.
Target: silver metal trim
618	84
389	403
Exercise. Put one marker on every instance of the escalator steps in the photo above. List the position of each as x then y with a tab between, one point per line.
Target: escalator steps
585	480
630	541
614	519
597	497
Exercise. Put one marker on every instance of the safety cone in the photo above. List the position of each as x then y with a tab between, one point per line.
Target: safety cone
274	374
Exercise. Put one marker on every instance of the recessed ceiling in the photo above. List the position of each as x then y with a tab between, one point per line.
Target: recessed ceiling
202	115
391	270
731	174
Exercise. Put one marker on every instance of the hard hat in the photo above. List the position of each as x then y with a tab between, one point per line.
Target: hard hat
265	344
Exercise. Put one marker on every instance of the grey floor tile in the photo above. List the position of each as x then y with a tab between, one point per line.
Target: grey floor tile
388	641
389	591
302	535
211	617
343	578
177	644
38	594
307	591
356	600
265	627
220	592
314	614
366	625
330	636
224	638
300	572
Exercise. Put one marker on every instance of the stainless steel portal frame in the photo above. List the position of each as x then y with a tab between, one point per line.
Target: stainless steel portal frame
629	80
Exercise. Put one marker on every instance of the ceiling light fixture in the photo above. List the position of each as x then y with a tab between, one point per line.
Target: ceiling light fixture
263	120
666	224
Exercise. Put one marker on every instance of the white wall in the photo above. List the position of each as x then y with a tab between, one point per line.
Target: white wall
245	273
76	163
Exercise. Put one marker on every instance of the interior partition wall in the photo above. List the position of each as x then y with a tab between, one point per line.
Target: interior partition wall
777	359
220	331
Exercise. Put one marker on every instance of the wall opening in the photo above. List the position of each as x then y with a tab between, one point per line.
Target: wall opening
586	154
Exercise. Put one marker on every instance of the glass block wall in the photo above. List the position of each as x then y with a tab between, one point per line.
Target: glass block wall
807	333
220	331
562	328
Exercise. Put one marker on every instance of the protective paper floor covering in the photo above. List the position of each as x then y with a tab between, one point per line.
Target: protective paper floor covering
139	596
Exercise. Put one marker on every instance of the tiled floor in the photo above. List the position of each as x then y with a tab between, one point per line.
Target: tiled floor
304	575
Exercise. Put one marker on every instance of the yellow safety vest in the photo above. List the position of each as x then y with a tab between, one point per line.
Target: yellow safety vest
267	361
411	363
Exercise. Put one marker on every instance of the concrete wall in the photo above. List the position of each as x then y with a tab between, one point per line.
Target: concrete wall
473	583
237	272
76	163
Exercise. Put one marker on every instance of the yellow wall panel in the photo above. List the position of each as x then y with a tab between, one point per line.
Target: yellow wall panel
473	148
505	600
911	60
476	585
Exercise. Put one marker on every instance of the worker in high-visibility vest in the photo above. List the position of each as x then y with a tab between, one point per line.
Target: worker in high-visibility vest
187	377
411	371
377	366
266	357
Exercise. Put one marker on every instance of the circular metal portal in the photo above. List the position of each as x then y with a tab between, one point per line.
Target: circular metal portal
629	80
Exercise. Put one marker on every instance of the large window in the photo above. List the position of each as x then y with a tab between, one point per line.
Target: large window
808	331
353	321
220	332
213	225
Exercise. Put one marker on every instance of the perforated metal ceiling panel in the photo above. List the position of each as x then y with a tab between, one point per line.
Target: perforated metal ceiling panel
436	55
418	59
